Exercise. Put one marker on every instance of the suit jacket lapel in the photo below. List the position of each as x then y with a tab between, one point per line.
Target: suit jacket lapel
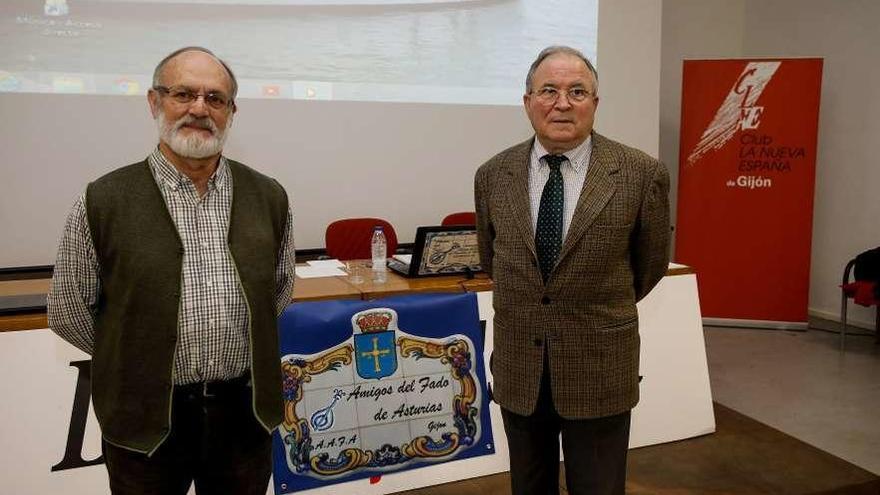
598	189
517	165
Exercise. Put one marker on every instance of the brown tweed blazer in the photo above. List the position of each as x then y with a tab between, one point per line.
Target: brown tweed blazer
615	252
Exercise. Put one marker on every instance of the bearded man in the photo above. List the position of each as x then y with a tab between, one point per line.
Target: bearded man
171	273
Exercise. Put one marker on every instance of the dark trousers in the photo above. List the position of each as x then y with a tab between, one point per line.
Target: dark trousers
595	450
215	441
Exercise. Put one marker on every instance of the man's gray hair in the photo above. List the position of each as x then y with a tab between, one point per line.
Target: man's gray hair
157	74
555	50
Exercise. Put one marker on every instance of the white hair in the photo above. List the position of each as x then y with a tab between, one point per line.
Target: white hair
193	146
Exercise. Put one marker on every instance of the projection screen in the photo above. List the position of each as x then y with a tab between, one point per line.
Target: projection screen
378	108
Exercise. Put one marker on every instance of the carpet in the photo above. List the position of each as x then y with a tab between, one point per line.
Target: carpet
742	457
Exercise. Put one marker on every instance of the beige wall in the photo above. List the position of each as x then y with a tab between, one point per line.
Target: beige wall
629	72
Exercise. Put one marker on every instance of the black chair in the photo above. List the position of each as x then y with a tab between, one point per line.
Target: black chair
865	290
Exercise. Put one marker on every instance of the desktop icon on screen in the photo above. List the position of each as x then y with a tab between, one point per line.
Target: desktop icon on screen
312	90
56	7
125	86
8	82
68	84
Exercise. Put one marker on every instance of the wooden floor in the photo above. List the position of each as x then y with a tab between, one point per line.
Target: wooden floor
742	457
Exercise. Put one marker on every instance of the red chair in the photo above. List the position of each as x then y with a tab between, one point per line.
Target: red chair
863	291
349	238
460	218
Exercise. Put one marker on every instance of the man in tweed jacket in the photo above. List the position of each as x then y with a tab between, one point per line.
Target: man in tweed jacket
566	346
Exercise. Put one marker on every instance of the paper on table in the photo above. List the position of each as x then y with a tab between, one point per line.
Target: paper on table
326	263
313	271
406	258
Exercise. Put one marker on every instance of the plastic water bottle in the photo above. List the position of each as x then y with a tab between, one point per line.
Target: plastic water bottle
379	250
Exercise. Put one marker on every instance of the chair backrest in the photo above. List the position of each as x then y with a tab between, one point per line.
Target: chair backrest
867	265
460	218
349	238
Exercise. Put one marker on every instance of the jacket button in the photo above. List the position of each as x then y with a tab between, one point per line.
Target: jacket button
538	342
545	300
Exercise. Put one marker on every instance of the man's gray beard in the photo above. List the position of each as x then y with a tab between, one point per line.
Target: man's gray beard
194	146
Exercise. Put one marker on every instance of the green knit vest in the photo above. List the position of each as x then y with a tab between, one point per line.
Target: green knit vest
141	257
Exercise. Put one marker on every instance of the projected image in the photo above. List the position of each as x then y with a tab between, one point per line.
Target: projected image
445	51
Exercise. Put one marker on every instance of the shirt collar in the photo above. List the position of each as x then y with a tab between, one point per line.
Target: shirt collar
577	156
168	173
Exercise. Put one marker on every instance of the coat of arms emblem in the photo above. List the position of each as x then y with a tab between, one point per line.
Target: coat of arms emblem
375	351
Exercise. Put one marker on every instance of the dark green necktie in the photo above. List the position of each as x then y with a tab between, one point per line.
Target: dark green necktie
548	232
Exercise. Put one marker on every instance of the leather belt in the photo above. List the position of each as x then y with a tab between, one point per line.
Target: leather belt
215	389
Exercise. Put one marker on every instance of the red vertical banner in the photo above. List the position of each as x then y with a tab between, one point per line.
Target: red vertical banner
746	179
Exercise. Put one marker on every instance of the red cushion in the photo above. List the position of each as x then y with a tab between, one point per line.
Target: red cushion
460	218
861	292
349	238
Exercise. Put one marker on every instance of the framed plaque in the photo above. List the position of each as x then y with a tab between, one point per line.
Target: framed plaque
440	251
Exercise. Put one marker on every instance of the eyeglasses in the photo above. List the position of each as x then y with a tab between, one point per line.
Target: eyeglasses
185	96
549	94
